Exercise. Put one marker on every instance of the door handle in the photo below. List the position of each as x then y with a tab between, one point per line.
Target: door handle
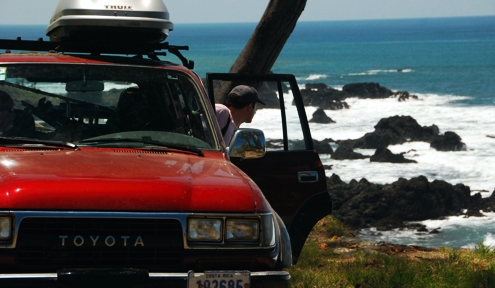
307	176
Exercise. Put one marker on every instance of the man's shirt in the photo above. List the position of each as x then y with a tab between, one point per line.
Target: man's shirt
226	122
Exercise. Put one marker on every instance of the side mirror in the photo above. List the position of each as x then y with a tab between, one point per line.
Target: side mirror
247	144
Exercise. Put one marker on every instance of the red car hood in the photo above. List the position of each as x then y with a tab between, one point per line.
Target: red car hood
128	180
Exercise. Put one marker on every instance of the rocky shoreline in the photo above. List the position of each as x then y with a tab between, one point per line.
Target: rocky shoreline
349	246
361	204
388	131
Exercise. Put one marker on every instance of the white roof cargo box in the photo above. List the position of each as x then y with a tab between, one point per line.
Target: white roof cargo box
110	20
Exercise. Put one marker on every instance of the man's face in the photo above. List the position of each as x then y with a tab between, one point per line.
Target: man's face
250	112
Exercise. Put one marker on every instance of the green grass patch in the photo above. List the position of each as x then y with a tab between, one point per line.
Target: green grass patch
320	267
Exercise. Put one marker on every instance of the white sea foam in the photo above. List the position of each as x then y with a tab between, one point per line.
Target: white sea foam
471	123
473	167
456	231
489	240
312	77
376	72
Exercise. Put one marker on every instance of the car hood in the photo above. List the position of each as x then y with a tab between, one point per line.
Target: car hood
128	180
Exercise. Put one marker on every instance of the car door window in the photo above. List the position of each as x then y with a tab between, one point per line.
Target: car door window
276	114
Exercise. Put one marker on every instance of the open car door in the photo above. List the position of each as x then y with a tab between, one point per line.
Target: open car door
291	174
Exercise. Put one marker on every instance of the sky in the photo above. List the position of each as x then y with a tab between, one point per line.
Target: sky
29	12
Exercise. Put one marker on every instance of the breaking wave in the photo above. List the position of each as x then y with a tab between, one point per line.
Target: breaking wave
312	77
376	72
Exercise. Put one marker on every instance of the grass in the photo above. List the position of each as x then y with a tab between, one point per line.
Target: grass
321	266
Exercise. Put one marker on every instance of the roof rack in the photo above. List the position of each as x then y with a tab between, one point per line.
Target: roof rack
152	50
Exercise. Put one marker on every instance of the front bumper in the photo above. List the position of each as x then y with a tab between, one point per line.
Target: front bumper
127	278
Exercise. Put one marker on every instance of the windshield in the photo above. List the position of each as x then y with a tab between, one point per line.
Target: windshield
120	105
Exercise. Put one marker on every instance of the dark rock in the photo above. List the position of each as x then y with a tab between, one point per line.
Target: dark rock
343	153
320	95
316	86
406	128
412	226
483	204
387	224
322	147
268	93
363	204
385	155
275	144
404	96
391	131
367	90
334	180
449	141
473	213
319	116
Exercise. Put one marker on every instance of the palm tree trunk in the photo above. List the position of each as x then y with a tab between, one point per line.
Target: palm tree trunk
266	42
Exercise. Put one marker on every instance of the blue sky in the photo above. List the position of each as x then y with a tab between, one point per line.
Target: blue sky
222	11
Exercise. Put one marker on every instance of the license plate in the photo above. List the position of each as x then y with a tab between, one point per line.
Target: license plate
219	279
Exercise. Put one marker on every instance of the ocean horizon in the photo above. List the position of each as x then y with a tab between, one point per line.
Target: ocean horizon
449	63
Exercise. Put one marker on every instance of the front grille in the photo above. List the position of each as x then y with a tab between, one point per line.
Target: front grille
55	243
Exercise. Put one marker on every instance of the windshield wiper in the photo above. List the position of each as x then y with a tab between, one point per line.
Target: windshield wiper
22	141
144	140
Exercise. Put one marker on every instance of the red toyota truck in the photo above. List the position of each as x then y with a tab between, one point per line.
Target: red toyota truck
114	172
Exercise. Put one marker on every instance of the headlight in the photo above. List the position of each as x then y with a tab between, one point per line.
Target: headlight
5	228
242	230
204	230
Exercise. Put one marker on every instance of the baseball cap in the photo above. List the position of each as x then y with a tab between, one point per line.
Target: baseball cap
243	94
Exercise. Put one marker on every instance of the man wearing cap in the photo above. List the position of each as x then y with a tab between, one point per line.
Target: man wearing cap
14	123
239	108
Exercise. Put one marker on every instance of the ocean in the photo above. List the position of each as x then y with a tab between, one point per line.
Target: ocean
449	63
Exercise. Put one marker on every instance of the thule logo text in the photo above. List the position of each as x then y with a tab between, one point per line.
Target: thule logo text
118	7
109	241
